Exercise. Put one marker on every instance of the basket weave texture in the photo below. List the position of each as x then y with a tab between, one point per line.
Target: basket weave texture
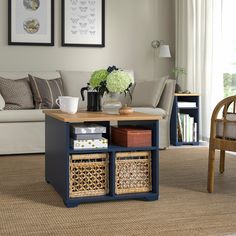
89	175
133	172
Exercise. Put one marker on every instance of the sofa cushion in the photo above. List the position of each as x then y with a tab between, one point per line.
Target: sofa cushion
148	93
73	82
16	93
2	102
46	92
33	115
151	111
167	97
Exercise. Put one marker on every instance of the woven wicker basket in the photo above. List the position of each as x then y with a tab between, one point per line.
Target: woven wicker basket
133	172
89	175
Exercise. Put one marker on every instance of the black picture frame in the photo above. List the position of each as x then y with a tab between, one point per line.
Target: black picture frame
84	23
20	36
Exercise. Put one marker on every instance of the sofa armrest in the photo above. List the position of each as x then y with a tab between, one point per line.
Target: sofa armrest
167	97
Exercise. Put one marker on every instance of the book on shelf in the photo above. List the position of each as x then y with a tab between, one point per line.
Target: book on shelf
89	144
182	125
187	104
179	129
195	132
191	124
186	128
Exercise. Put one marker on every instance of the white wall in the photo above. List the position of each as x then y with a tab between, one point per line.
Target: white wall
131	25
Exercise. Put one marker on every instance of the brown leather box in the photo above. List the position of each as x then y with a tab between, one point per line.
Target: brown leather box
131	136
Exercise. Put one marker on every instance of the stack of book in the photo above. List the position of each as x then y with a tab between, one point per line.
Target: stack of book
187	128
88	136
187	104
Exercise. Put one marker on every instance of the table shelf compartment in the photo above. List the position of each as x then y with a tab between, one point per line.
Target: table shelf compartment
133	172
131	136
89	175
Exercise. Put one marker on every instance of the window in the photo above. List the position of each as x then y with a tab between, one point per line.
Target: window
229	47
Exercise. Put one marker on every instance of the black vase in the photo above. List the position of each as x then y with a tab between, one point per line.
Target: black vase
93	99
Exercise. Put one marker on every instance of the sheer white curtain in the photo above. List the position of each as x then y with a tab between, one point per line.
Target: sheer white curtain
198	50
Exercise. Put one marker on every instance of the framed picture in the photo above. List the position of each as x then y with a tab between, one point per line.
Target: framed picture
31	22
83	23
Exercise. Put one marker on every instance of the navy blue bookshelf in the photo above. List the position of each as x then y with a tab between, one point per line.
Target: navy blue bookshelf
192	111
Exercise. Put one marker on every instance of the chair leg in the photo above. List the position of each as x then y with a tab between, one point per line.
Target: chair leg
211	162
222	161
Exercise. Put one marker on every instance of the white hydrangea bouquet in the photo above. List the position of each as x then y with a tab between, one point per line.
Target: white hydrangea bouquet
112	80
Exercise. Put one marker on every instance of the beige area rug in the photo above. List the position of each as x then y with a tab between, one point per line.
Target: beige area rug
29	206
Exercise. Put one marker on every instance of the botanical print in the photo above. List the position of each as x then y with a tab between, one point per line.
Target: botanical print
31	4
31	26
31	22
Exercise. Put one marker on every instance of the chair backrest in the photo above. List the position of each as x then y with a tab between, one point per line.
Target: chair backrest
223	124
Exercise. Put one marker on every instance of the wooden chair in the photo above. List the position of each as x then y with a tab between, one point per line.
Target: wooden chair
222	136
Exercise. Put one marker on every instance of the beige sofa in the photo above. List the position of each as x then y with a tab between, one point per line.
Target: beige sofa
22	131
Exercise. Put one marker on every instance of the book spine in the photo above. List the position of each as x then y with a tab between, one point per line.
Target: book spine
186	127
180	129
183	126
195	132
191	128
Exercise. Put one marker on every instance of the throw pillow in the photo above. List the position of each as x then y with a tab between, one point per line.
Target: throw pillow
16	93
148	93
46	92
2	103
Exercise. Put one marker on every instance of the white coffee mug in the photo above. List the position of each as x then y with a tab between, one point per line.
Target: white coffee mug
68	104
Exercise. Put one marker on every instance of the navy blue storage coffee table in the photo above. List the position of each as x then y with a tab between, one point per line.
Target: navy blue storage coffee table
101	174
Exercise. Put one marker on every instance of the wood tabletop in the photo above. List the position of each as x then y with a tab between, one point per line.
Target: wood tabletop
83	116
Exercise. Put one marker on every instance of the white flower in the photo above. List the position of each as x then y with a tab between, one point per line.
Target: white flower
118	81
